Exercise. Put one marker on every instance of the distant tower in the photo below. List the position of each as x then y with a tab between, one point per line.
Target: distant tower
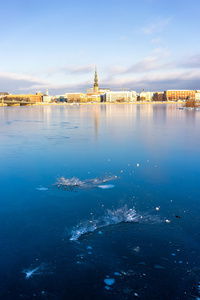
47	93
96	85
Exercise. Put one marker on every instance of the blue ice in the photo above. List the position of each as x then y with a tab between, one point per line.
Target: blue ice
109	281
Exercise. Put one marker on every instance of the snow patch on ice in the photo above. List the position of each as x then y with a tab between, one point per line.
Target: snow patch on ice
106	186
112	217
42	189
35	271
87	183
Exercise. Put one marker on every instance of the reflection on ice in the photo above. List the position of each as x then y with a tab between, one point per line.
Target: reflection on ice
112	217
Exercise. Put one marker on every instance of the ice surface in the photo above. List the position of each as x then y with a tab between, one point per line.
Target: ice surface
159	267
109	281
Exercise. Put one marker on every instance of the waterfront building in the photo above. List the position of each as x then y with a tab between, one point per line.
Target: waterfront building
46	97
119	96
90	91
25	97
134	95
175	95
96	85
74	97
3	94
146	96
158	96
197	95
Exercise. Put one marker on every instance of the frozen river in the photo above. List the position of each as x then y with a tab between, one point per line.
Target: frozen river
99	202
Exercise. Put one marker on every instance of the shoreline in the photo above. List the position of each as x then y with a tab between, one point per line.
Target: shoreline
92	103
111	103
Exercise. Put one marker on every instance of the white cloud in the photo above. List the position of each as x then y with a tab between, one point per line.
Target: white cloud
189	61
152	62
157	81
19	77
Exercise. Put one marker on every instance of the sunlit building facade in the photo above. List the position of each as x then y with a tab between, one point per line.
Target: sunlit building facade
175	95
119	96
146	96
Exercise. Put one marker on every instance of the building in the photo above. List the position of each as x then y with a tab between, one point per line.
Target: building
197	95
25	97
90	91
120	96
46	97
3	94
146	96
96	90
175	95
134	95
74	97
96	85
158	96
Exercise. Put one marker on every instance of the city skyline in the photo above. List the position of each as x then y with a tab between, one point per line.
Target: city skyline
56	45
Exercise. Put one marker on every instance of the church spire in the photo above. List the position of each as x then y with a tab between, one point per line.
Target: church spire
96	85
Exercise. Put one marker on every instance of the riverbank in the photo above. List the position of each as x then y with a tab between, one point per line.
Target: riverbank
111	103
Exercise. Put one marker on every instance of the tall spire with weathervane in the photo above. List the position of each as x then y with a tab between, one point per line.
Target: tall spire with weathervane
96	85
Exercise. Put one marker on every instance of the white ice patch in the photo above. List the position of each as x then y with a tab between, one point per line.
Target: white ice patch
88	183
106	186
112	217
42	189
70	181
36	271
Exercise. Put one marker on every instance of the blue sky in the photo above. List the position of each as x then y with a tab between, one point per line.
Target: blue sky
150	44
